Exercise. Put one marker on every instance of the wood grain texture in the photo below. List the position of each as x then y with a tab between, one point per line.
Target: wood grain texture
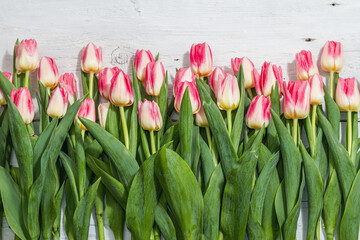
261	30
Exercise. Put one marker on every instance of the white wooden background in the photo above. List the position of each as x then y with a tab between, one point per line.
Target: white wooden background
261	30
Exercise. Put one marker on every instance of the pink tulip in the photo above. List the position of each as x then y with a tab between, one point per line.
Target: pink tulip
48	73
228	93
183	75
267	81
149	115
154	78
27	56
194	96
23	102
58	103
68	82
91	58
305	65
201	59
332	57
105	77
317	90
296	103
87	110
121	93
347	95
259	113
200	118
142	58
2	98
215	78
103	110
250	73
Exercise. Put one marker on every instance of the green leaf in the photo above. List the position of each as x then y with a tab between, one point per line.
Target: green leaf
5	85
163	103
195	149
71	171
84	81
115	216
164	223
133	129
207	164
185	128
332	111
80	161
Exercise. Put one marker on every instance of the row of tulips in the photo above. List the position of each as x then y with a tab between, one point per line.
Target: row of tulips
206	176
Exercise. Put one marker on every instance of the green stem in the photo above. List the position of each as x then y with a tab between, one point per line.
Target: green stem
27	79
124	127
349	132
91	85
331	85
100	226
221	236
288	125
295	131
83	135
156	233
313	125
208	135
228	112
251	96
56	235
152	140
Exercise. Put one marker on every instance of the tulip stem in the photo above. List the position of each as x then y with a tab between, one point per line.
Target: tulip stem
313	119
228	112
152	140
83	135
91	84
27	79
331	87
208	135
295	130
349	132
124	126
251	96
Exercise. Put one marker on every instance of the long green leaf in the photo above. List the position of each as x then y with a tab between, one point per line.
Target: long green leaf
185	128
115	216
5	85
71	171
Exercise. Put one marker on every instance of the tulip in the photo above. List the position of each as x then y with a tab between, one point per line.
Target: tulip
332	57
183	75
347	95
250	73
142	58
149	115
228	93
215	78
201	59
259	113
48	73
68	82
87	110
317	90
121	93
2	97
194	96
296	104
200	118
305	65
27	56
58	103
103	109
105	77
23	102
268	77
91	58
154	78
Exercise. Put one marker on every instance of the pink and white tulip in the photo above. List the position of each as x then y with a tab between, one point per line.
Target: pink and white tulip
332	57
183	75
258	113
317	89
228	93
347	95
250	72
201	60
270	74
68	82
103	110
27	56
105	77
142	58
215	78
58	103
296	103
305	65
22	100
154	78
121	93
48	73
149	115
2	97
86	110
194	96
91	58
200	118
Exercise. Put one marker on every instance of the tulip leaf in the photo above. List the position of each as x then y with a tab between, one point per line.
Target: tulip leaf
163	104
84	81
5	85
164	223
332	111
254	229
80	161
115	216
207	164
57	201
195	149
133	129
186	128
71	172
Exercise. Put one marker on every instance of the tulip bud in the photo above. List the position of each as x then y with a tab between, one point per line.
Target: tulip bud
194	96
305	66
296	103
27	56
68	82
154	78
228	94
87	110
201	59
332	57
149	115
91	58
121	93
347	95
249	70
103	109
2	97
58	103
105	77
183	75
258	113
23	102
317	89
200	118
215	78
48	73
142	58
267	80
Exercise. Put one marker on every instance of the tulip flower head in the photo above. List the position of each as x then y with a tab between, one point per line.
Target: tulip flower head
105	77
215	78
2	97
91	58
27	56
149	115
332	57
48	73
305	65
200	118
201	60
269	75
22	100
154	78
194	96
317	89
296	103
183	75
121	93
228	93
347	95
259	113
86	110
58	103
68	82
142	58
250	73
103	110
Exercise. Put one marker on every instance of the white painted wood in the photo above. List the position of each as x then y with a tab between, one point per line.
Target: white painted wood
262	30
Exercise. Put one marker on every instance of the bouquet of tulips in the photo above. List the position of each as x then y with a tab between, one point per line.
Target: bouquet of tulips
230	164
